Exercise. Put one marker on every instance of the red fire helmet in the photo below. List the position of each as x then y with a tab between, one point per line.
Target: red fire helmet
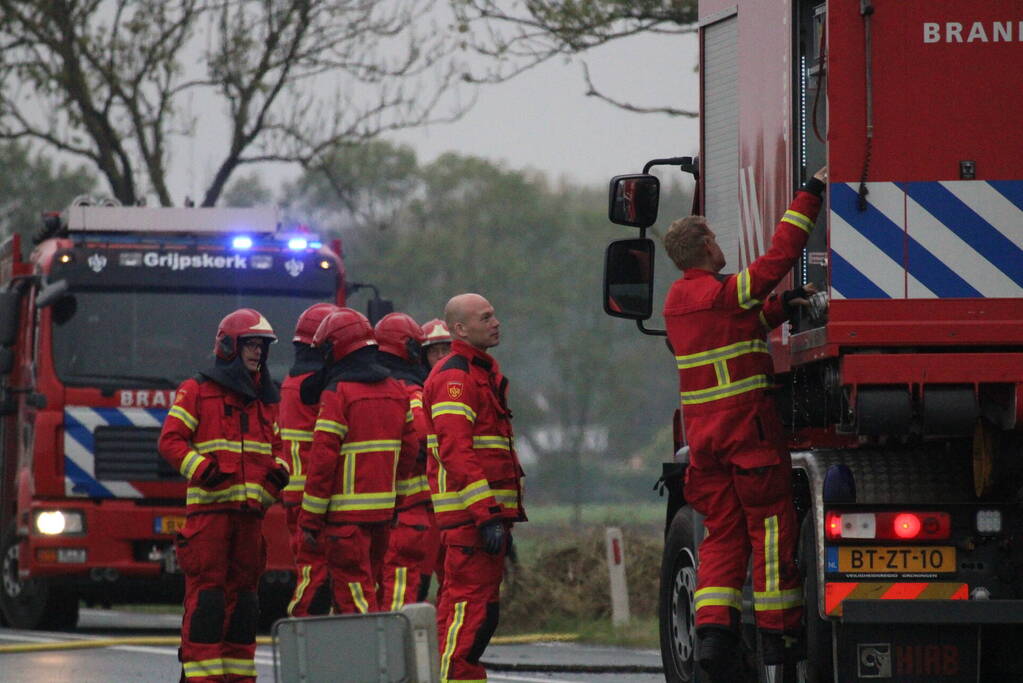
436	332
399	334
310	321
245	322
345	330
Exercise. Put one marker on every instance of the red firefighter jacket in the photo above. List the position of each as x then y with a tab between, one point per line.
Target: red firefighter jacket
297	420
363	435
717	326
473	470
210	423
411	484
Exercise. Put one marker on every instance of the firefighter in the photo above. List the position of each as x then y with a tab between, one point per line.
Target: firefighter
739	474
300	403
399	338
363	434
475	481
436	345
221	434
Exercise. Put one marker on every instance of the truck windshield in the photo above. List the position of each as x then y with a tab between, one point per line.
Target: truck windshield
157	338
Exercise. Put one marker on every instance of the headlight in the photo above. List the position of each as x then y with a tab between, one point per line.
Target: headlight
55	522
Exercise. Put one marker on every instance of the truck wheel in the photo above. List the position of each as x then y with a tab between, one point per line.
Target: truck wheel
677	612
818	663
32	603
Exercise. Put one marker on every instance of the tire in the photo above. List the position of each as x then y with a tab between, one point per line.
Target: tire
819	667
33	603
676	611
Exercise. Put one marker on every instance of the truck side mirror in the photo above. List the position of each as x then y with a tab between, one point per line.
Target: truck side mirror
633	199
629	278
377	308
51	293
10	302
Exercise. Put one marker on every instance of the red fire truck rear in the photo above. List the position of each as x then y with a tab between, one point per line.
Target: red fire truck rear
903	386
113	309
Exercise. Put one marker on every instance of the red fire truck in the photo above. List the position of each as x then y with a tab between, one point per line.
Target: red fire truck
113	309
904	394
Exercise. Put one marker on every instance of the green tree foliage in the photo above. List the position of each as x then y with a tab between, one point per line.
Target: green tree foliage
31	183
589	392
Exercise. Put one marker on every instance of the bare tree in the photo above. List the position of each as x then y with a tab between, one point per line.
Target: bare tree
517	36
118	82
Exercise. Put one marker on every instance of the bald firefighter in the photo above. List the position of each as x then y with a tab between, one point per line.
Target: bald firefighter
363	434
222	435
300	404
475	481
739	475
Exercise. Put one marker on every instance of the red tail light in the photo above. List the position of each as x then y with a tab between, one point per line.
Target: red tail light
899	526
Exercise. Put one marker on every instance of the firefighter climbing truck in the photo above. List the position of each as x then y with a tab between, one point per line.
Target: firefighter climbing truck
113	309
904	394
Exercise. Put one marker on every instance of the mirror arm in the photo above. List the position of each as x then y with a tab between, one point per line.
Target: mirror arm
685	164
652	333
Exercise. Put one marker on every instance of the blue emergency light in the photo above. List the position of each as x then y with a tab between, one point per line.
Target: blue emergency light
298	243
242	242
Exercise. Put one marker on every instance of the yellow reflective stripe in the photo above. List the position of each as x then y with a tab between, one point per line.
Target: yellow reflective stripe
742	285
763	320
475	492
304	577
451	639
408	416
799	220
359	597
186	417
325	425
232	494
203	667
721	372
432	441
453	501
722	596
416	403
447	502
371	446
234	446
726	390
400	583
258	447
282	463
239	667
296	435
296	462
784	599
355	502
190	464
771	562
296	483
509	498
501	442
412	485
452	408
314	504
721	353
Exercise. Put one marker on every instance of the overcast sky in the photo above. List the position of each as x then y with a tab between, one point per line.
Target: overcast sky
541	119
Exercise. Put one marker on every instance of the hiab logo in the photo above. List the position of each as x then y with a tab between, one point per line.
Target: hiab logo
97	262
874	660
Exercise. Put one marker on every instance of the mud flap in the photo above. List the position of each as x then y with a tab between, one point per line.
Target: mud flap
908	653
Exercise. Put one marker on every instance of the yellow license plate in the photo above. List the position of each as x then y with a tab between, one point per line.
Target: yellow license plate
168	525
905	559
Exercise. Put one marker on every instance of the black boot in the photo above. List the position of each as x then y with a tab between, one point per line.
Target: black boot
719	654
782	648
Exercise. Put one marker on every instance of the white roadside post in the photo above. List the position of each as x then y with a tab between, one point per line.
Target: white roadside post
615	547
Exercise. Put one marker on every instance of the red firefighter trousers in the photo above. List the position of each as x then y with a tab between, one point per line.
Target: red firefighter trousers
312	587
222	555
469	604
355	556
407	554
746	510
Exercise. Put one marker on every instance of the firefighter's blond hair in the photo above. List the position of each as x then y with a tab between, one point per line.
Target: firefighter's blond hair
685	239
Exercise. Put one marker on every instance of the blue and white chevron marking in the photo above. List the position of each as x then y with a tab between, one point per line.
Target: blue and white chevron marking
925	240
79	448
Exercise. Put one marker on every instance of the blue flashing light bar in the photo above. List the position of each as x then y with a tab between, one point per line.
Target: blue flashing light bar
242	242
298	243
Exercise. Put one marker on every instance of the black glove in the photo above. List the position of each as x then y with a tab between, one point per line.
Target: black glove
790	294
279	477
212	477
494	536
310	537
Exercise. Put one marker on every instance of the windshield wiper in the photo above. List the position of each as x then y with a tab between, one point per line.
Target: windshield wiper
119	380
